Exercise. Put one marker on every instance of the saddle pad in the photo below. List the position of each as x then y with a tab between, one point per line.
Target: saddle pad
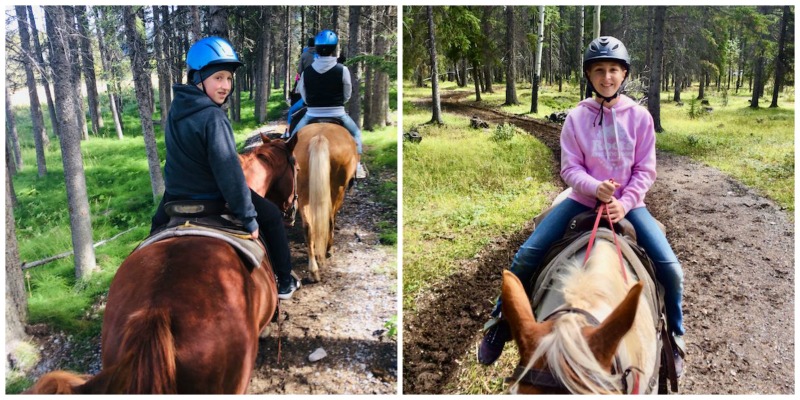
250	250
546	294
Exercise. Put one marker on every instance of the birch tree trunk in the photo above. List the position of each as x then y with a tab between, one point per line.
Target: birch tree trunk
538	72
66	110
76	70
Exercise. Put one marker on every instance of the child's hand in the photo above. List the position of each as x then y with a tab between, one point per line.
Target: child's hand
254	234
605	192
615	210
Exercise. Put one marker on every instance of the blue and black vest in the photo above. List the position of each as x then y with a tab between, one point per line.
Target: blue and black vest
324	90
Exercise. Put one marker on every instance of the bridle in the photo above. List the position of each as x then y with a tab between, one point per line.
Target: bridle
544	378
290	212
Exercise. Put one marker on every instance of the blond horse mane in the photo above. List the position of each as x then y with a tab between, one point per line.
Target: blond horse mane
319	196
598	287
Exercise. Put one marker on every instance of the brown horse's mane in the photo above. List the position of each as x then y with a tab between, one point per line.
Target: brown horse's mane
267	152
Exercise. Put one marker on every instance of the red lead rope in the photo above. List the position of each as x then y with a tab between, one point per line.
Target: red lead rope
604	207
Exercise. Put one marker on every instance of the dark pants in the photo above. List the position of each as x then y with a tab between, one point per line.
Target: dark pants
270	227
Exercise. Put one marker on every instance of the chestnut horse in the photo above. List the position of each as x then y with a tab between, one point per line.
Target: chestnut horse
602	340
184	314
326	158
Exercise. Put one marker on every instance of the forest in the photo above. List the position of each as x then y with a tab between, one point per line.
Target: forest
88	89
725	49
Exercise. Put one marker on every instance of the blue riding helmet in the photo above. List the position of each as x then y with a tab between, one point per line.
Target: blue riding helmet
211	51
325	42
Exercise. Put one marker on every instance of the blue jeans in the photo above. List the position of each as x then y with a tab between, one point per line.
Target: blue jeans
348	123
293	109
668	270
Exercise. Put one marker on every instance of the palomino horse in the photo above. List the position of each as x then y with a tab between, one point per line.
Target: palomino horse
184	314
326	159
571	351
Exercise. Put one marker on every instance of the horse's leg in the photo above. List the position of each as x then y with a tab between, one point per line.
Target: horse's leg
313	268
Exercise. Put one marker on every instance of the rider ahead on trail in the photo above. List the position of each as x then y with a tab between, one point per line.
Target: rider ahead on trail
325	86
202	163
608	155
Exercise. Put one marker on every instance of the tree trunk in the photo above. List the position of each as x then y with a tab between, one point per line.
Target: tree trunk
16	299
74	47
582	74
511	87
107	75
66	110
335	19
353	50
11	133
165	63
287	29
369	70
597	21
758	79
87	62
654	90
436	104
39	133
780	60
261	79
141	79
538	72
475	74
43	70
197	23
488	57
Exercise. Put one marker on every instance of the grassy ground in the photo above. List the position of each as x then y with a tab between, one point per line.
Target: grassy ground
453	202
120	198
754	146
461	188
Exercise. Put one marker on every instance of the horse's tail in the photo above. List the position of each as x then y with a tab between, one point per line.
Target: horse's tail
150	350
319	166
147	366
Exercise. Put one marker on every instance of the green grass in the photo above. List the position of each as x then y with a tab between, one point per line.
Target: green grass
460	190
120	198
755	146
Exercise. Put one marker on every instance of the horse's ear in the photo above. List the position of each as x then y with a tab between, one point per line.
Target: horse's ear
604	339
519	314
291	142
264	137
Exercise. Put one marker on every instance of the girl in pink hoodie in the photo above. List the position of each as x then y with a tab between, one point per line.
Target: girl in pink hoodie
607	154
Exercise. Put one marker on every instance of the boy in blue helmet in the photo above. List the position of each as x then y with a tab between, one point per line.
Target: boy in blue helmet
325	86
202	162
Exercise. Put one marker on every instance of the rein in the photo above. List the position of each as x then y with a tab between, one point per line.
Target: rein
290	213
604	207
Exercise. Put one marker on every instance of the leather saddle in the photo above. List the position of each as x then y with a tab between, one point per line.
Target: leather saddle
328	120
210	219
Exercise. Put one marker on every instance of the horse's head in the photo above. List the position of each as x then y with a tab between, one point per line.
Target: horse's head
271	171
547	364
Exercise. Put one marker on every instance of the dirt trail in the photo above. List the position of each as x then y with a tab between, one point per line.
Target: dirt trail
737	252
345	314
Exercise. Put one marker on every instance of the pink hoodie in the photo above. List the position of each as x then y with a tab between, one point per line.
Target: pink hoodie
624	149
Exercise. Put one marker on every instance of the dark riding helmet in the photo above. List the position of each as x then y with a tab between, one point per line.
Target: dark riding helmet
210	55
607	48
325	42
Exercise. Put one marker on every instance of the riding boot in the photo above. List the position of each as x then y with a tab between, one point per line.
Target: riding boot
678	353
